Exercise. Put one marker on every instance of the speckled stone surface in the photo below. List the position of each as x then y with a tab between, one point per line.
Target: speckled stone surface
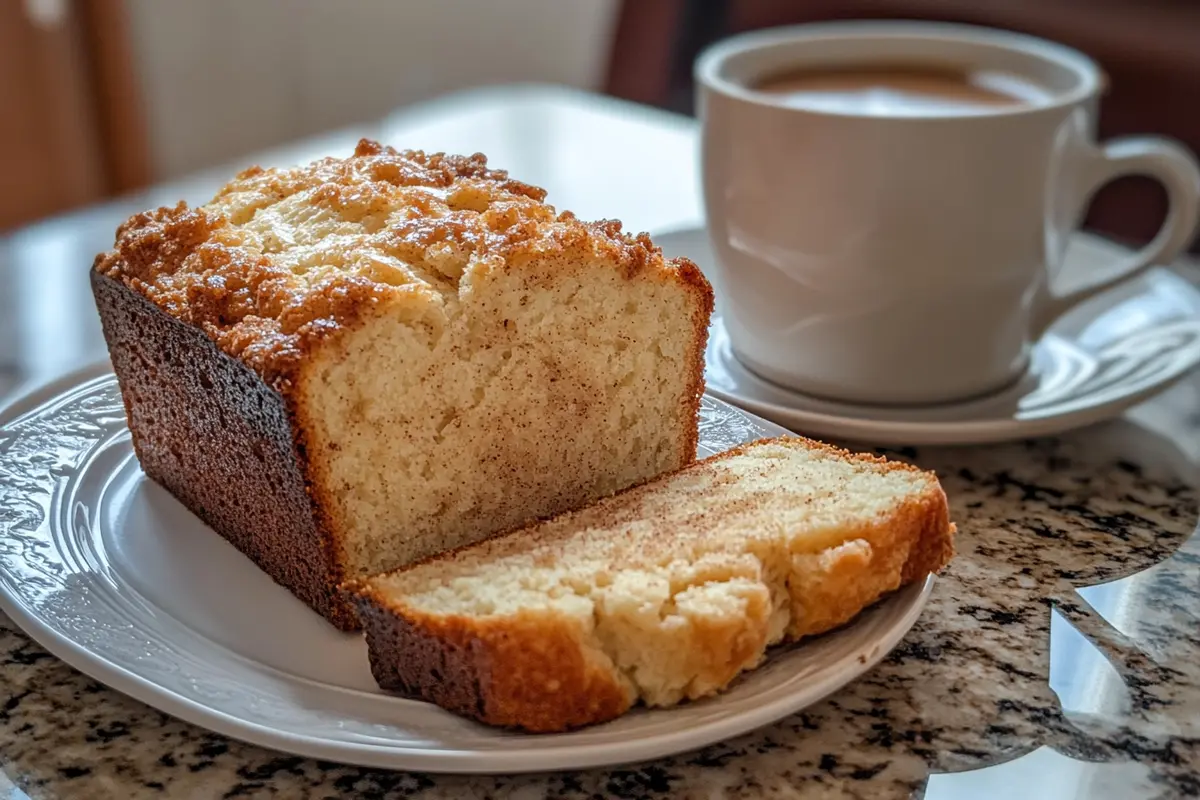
975	702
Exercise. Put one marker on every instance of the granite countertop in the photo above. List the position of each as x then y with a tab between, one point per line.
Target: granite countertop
1059	656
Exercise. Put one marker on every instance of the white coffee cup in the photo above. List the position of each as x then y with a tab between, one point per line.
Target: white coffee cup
908	259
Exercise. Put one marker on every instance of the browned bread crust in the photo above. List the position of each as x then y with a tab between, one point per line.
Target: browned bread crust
209	430
194	263
530	671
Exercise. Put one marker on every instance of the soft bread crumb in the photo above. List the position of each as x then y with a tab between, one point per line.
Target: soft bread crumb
530	402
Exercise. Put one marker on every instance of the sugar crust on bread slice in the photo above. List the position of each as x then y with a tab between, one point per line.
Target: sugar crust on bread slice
659	594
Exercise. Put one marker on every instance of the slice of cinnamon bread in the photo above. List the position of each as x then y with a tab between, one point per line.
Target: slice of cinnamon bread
349	365
661	593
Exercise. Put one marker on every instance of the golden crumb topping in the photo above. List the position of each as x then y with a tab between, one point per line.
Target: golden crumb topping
280	256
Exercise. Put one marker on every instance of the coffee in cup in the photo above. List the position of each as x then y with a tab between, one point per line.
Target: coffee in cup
901	90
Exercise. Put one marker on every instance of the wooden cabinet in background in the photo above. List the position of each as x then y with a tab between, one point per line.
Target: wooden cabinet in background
70	125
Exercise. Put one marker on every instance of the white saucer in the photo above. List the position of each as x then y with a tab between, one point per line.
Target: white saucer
1102	358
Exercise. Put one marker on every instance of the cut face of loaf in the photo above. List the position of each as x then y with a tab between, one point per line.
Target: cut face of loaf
351	365
662	593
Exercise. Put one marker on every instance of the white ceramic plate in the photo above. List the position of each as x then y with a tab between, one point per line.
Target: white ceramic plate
108	572
1097	361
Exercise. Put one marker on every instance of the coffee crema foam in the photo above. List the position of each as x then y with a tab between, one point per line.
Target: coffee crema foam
902	91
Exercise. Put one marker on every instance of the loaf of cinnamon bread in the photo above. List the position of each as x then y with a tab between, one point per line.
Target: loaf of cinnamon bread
354	364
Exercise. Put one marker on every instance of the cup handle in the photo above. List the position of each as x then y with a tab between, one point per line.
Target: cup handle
1172	165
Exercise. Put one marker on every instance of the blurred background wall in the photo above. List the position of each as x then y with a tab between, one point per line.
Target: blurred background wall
224	77
102	96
